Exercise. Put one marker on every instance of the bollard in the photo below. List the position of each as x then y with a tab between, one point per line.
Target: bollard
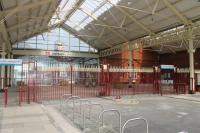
6	96
20	95
28	90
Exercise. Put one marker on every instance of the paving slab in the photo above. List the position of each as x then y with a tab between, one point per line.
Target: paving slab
33	118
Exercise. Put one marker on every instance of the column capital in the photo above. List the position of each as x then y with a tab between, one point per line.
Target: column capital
3	54
191	51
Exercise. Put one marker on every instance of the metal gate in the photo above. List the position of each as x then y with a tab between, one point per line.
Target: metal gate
170	80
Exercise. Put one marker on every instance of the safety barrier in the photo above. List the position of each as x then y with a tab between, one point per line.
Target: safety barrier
4	96
136	119
180	88
51	83
27	93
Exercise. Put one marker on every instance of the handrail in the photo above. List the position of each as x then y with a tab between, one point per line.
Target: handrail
136	119
110	110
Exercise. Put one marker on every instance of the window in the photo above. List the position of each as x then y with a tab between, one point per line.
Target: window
53	39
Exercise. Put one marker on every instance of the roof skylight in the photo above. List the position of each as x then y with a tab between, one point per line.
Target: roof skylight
62	11
93	7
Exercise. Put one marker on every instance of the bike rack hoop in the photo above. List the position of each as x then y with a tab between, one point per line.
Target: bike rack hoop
136	119
101	118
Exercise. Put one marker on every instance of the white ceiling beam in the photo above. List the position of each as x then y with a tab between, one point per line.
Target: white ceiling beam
109	28
177	13
132	18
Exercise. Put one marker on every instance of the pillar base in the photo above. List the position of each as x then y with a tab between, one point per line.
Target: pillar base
191	92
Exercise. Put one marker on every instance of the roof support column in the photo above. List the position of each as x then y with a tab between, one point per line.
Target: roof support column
11	71
8	72
191	52
3	55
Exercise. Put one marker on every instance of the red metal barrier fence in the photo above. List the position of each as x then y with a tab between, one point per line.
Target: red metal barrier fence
50	84
4	96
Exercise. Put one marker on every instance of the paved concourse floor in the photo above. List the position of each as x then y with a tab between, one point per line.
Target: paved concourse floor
33	118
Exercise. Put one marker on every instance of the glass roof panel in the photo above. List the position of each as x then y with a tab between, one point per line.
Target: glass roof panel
94	7
63	9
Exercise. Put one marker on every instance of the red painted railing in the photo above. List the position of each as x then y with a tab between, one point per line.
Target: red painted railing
5	96
89	82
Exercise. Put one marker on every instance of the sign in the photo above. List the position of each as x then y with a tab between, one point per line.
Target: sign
54	53
10	62
105	67
60	48
167	67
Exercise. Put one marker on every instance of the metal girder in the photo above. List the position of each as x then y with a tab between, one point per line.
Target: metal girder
178	14
54	53
7	44
170	49
100	36
102	4
112	51
132	18
94	36
109	28
78	4
161	39
166	38
72	31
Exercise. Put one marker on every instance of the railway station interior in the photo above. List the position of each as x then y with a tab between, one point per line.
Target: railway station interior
99	66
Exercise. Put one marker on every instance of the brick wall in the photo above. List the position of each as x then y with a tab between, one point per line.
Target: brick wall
144	58
141	58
